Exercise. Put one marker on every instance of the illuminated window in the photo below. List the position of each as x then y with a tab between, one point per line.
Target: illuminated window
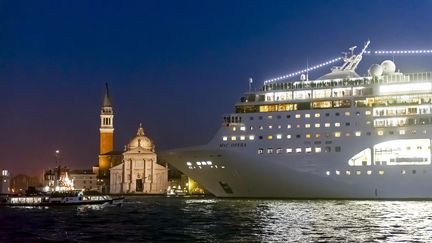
327	124
317	135
251	137
242	128
358	172
261	127
279	126
298	150
233	138
347	134
308	135
347	113
260	151
234	129
381	172
348	172
270	126
279	136
308	150
269	137
297	116
269	150
289	150
242	138
337	124
402	132
189	163
317	125
251	128
337	134
358	134
224	138
317	149
380	133
337	172
289	136
368	113
307	125
369	172
317	114
328	173
269	117
288	126
307	115
403	172
278	150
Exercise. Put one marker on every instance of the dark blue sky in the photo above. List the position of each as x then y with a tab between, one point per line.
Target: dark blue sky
175	66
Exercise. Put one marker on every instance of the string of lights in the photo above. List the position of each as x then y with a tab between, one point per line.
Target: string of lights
403	52
304	70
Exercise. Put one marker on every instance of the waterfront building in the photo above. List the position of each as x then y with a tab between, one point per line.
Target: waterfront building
20	183
84	179
139	171
5	187
57	179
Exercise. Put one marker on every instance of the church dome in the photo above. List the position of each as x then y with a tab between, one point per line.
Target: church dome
141	141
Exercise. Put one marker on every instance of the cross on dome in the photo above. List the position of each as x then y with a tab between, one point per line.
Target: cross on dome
140	131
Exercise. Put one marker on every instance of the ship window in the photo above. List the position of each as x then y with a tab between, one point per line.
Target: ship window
307	115
260	151
348	172
308	135
368	133
289	136
269	117
317	125
347	113
233	138
337	134
289	150
307	125
298	136
337	114
358	172
358	113
403	172
242	137
260	117
279	117
269	137
242	128
347	134
328	173
298	150
317	142
347	124
270	127
279	126
337	124
337	172
234	129
369	172
288	116
391	132
381	172
251	128
269	150
327	124
317	149
251	118
297	116
317	114
327	149
337	149
288	126
224	138
368	113
380	133
279	136
251	137
260	137
278	150
358	133
261	127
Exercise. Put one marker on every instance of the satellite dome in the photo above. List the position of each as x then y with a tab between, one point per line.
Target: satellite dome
375	70
388	67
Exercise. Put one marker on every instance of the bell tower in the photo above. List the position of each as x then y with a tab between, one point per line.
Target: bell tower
106	131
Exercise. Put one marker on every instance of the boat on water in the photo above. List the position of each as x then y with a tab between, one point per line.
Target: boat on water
62	198
176	192
341	135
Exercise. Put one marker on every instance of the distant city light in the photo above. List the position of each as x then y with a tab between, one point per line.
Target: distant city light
304	70
381	52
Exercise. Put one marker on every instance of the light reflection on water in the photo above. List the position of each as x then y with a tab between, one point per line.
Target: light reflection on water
210	219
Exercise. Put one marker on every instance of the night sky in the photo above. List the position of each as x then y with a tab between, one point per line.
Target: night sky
175	66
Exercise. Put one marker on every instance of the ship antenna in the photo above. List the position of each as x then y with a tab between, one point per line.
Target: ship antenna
250	83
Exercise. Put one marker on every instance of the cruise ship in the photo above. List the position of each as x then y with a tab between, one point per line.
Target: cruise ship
341	136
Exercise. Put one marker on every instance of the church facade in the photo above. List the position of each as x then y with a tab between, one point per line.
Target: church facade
134	170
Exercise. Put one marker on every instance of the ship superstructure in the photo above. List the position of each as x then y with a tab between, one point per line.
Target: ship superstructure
340	136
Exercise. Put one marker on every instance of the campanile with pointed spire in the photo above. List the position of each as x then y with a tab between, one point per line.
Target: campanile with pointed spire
106	130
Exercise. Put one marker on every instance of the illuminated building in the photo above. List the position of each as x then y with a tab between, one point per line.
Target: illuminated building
57	179
84	179
339	136
139	171
5	182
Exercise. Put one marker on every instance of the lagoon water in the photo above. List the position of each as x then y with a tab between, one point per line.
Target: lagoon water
155	219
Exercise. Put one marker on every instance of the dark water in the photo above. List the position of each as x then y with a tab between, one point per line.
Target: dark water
208	219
